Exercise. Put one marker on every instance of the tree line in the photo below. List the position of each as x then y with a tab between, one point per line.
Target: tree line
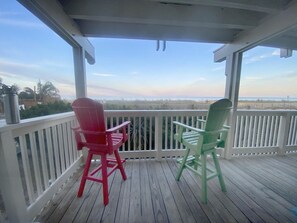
42	100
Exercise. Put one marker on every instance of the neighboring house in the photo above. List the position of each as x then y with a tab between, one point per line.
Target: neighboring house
28	103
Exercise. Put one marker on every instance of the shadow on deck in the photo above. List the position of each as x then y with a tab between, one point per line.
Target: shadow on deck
259	189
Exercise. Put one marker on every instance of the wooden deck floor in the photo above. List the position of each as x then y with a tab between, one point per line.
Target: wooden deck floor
259	189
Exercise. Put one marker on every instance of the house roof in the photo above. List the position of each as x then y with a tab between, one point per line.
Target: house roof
210	21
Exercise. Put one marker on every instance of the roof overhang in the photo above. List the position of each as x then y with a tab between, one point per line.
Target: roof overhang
240	24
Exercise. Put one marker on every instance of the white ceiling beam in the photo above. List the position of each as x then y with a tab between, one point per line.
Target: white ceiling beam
154	13
269	28
52	14
282	41
267	6
154	32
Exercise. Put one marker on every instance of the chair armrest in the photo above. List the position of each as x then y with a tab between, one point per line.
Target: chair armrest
118	127
188	127
201	120
226	127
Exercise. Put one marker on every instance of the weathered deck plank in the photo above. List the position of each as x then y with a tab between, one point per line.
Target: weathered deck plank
259	189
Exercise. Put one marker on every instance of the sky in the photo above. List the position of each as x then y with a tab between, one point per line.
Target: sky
133	69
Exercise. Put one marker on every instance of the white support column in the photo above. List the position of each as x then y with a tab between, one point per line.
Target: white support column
80	72
233	71
80	80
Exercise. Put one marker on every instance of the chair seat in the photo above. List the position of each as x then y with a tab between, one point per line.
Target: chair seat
117	141
190	139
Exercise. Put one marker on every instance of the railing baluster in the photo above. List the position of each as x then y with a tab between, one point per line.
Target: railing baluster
56	151
294	131
235	144
61	146
151	132
246	130
271	131
171	133
276	127
241	131
129	132
65	145
267	130
70	143
43	159
166	132
259	131
250	130
26	167
50	154
35	160
262	132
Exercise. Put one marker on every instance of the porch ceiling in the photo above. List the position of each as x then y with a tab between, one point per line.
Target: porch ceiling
210	21
216	21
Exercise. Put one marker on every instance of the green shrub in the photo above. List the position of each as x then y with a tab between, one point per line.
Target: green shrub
45	109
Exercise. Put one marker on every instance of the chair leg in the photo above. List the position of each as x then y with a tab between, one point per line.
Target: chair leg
120	164
85	174
104	179
218	168
203	179
182	165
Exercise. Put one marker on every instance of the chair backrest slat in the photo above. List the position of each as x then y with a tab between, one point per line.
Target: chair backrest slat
90	116
216	117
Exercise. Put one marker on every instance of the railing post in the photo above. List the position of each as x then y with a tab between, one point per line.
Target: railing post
283	133
10	180
231	135
158	135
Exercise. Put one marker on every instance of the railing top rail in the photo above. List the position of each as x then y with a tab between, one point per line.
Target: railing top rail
51	118
155	112
266	112
34	121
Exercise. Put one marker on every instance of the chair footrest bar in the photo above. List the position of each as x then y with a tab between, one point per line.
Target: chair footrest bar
96	170
94	179
112	170
210	176
90	176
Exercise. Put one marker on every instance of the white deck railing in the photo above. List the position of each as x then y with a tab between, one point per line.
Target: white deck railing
38	155
265	132
152	132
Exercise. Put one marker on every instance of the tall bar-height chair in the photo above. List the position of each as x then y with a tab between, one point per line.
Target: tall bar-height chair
92	133
203	142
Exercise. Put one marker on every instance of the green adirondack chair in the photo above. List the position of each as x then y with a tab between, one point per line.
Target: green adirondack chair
203	142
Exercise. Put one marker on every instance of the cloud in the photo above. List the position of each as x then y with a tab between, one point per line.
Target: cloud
201	79
101	91
104	75
135	74
252	59
8	74
9	63
253	78
57	64
21	23
218	68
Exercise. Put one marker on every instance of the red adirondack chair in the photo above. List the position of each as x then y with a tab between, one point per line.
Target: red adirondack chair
92	133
